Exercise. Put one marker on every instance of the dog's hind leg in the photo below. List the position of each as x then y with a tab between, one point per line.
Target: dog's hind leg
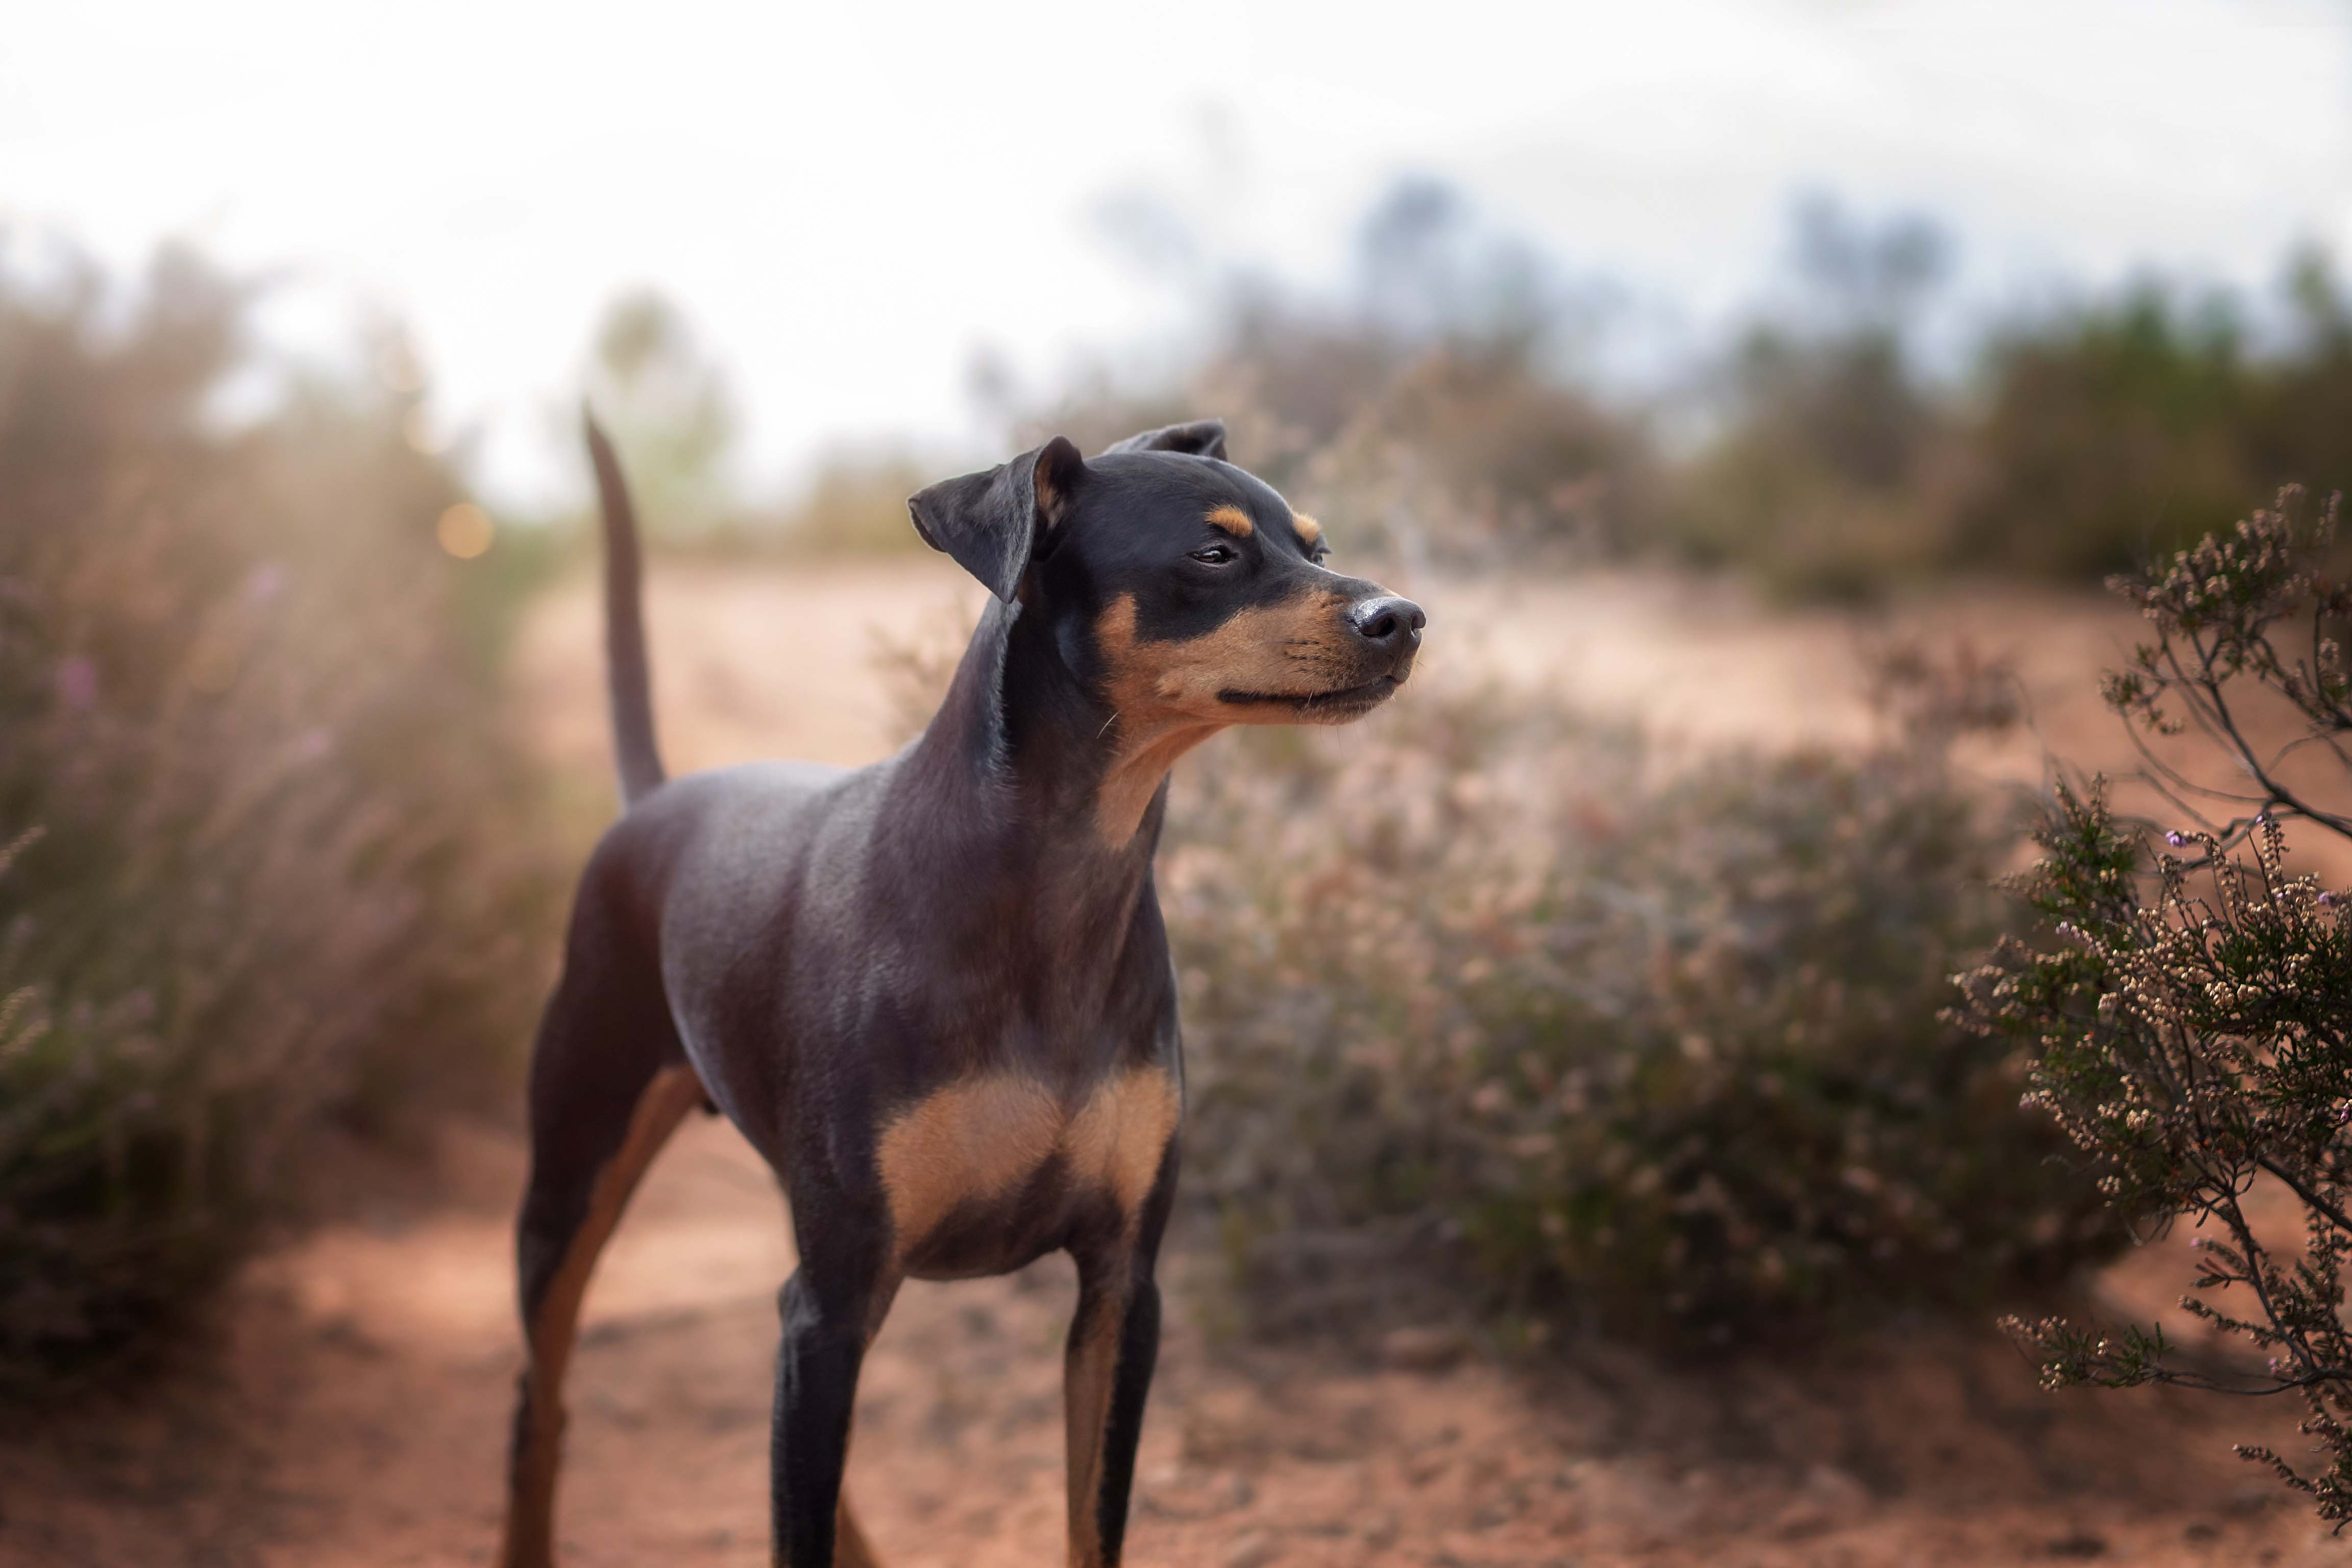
608	1087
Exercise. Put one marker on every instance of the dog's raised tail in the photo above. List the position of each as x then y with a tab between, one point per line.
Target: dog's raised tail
634	748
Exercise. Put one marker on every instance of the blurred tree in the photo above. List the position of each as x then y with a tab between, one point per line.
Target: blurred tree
856	503
2111	431
2299	431
671	414
1862	277
1829	451
1428	271
1858	394
1441	396
1427	405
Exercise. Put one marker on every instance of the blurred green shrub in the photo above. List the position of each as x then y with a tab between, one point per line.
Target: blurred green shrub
2083	439
2123	429
1484	999
273	857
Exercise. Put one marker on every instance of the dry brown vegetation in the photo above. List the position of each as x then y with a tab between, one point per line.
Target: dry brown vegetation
352	1410
1586	1001
267	869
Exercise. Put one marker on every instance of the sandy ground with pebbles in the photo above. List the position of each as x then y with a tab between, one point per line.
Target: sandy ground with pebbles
349	1409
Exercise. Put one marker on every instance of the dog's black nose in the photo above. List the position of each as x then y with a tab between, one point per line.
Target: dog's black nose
1389	624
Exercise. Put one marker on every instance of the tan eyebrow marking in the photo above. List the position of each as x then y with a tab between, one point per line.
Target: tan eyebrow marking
1310	530
1233	520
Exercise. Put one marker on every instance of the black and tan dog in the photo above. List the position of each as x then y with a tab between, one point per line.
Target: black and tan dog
935	993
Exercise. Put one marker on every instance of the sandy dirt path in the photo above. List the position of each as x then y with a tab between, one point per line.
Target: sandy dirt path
765	659
350	1411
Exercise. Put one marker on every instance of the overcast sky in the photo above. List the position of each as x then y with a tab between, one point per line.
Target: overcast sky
849	200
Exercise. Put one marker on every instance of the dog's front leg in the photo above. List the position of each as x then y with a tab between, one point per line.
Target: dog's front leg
1107	1373
827	1324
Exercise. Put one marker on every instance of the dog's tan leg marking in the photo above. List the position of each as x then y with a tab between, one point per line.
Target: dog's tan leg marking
981	1139
1089	1369
529	1541
1117	1142
850	1547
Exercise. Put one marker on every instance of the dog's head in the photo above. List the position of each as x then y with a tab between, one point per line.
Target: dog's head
1182	590
1183	586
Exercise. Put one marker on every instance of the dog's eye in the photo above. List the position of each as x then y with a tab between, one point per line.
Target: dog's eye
1214	554
1319	554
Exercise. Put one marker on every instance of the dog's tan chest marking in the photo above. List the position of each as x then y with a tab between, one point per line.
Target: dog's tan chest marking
977	1138
1119	1136
981	1139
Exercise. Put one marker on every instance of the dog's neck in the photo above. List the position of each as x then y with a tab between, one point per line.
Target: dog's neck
1014	770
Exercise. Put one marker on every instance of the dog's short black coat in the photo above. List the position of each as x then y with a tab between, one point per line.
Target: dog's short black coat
935	993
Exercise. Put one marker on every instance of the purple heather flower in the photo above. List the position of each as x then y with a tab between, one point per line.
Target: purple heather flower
78	682
2177	839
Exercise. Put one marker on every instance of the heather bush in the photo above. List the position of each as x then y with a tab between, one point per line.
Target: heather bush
1487	1000
2186	1008
272	857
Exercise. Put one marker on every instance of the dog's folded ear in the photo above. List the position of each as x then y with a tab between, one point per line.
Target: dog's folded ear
1200	438
991	522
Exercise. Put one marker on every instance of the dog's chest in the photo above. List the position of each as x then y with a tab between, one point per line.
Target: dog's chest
1001	1152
